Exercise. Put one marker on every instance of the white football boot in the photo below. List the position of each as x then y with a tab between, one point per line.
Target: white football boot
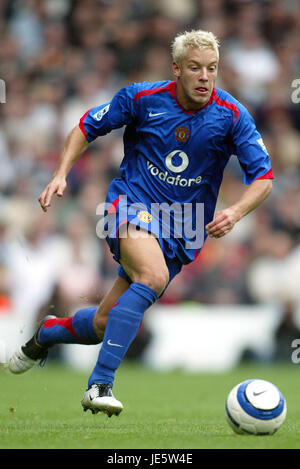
30	354
99	398
19	362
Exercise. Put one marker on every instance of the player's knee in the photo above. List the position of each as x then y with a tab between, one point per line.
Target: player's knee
99	324
157	280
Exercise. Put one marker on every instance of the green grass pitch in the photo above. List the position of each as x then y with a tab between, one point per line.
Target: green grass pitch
162	410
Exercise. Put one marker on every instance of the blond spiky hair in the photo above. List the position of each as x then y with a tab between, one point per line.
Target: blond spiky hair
193	39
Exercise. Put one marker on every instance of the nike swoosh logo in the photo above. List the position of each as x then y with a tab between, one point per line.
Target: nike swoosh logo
152	114
258	393
114	345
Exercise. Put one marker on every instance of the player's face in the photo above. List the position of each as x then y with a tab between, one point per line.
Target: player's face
196	76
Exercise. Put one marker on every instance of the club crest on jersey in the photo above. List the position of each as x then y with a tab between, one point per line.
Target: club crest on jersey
144	216
182	134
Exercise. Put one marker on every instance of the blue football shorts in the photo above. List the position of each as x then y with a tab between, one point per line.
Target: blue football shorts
118	213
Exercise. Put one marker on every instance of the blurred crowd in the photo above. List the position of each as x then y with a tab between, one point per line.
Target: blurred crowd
59	58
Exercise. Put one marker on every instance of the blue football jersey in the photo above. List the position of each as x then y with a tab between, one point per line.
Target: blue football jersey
177	156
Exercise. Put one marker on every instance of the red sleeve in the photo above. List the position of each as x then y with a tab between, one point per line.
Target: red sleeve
268	175
81	126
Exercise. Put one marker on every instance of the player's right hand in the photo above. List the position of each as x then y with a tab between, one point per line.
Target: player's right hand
56	186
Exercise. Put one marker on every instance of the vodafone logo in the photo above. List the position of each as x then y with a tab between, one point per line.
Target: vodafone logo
168	178
184	161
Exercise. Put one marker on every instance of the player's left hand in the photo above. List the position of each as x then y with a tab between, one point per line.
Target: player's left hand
223	222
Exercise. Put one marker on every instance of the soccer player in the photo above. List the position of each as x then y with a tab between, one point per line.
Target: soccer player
178	138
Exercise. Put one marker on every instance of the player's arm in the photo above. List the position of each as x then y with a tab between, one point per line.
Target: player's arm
253	157
74	146
96	122
225	219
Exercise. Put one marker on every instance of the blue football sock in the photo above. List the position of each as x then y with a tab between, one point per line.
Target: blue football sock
123	323
77	329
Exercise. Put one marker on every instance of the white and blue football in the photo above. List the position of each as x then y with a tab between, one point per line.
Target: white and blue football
255	407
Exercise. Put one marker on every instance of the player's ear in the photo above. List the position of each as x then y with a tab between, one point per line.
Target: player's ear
176	69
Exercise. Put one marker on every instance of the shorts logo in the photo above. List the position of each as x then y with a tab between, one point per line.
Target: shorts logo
179	221
182	134
144	216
